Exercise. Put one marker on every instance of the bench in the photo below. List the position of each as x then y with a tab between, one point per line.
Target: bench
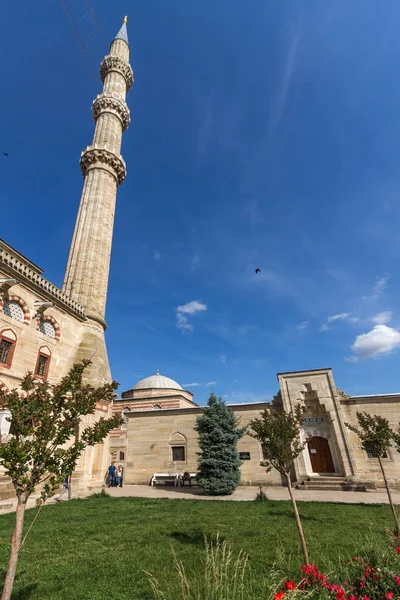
165	477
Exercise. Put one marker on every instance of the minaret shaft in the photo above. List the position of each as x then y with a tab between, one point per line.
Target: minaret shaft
86	276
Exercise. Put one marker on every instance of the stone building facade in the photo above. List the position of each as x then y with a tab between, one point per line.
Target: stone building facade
158	434
45	329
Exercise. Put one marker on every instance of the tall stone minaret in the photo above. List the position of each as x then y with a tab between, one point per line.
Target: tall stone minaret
103	168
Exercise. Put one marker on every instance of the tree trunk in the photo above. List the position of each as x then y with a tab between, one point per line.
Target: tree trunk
15	545
298	521
392	506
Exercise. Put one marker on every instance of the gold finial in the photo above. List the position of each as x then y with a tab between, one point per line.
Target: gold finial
125	20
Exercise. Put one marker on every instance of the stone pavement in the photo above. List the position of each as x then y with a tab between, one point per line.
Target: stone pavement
243	493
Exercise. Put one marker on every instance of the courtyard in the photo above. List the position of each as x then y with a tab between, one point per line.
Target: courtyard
101	547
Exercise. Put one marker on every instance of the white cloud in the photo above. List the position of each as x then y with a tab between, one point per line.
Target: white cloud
156	255
195	261
380	340
378	289
187	385
340	317
211	383
383	317
222	358
303	325
190	308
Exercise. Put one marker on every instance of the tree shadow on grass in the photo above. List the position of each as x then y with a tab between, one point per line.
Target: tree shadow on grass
289	514
195	537
23	593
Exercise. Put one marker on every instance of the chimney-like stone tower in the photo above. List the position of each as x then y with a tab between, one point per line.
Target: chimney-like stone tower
103	168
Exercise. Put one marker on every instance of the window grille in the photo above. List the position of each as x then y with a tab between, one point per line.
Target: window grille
122	456
48	329
5	349
178	453
42	365
13	309
371	453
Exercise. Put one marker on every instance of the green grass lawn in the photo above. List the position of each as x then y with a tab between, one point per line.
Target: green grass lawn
99	548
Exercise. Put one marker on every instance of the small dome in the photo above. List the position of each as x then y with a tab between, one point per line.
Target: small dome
157	381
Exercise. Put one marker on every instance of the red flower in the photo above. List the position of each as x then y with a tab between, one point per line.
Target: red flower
376	577
366	574
279	596
310	570
352	598
397	579
389	595
397	548
362	584
290	585
365	598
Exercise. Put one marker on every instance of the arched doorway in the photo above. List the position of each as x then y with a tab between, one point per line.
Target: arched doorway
320	455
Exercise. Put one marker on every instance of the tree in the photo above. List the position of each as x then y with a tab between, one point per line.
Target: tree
219	464
44	420
279	435
376	435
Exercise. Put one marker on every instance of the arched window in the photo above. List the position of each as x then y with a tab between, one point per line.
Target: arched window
43	362
156	407
178	448
8	341
13	309
47	328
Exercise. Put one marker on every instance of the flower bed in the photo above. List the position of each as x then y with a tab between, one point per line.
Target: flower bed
376	577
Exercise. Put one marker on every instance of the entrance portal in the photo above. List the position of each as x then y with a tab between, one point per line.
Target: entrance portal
320	455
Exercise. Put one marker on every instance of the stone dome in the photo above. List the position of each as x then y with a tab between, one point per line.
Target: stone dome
157	381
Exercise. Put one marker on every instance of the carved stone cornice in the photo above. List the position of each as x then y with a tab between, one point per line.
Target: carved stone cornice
101	158
15	265
108	103
114	63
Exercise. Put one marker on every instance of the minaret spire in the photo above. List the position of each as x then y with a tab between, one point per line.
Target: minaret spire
103	169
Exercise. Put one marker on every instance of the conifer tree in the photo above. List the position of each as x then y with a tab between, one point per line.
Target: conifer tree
46	442
219	464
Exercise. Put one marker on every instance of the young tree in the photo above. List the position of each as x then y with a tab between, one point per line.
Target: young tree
44	420
376	435
279	435
219	464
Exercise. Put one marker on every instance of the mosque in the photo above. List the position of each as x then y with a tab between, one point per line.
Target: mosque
46	330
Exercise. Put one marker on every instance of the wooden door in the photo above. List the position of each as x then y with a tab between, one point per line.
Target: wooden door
320	455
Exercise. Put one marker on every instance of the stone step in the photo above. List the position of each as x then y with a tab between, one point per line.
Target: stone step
334	483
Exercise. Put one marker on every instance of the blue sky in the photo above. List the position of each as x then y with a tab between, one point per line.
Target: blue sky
263	134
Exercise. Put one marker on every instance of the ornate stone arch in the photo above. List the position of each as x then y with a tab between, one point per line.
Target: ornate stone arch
5	298
52	320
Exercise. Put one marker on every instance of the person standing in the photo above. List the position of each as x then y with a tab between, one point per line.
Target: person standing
119	476
67	485
110	475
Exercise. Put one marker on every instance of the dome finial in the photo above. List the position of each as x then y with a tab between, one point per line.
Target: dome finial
157	372
125	20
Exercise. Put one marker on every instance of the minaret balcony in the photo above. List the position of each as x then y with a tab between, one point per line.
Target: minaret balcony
111	103
116	64
102	158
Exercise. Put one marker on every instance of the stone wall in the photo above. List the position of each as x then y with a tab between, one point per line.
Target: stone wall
151	435
368	468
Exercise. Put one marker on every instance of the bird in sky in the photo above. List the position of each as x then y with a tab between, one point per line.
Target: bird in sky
258	270
5	153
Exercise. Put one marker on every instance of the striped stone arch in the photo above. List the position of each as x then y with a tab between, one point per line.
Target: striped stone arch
52	320
8	298
114	455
